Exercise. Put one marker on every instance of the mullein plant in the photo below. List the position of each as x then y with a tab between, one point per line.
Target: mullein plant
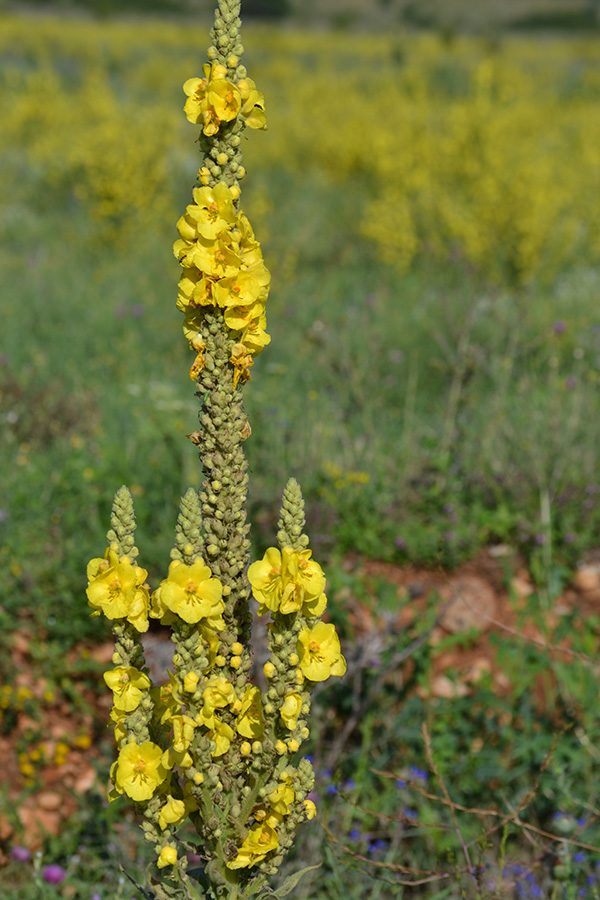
209	760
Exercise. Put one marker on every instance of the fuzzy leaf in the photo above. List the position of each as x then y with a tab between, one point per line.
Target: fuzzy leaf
291	881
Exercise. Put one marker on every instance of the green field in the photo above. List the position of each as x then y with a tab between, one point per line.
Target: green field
434	388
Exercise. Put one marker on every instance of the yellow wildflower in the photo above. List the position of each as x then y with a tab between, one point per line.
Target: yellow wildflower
265	579
191	593
211	213
222	735
320	653
190	682
290	710
310	810
183	732
243	288
282	798
117	588
139	770
167	857
224	100
241	361
127	684
250	722
261	839
253	104
172	813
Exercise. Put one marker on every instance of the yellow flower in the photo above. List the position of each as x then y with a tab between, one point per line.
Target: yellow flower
196	104
254	337
261	839
288	581
183	732
250	722
241	360
253	104
210	214
127	684
167	857
320	653
117	588
120	732
310	810
218	693
172	813
290	710
165	700
224	100
190	682
191	593
265	579
222	735
243	288
139	770
240	317
282	798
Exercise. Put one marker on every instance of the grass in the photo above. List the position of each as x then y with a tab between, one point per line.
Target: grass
426	415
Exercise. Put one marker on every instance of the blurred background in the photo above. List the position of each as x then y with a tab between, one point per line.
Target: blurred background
427	199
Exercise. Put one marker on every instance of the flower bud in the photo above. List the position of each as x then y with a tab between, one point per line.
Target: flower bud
237	648
280	748
190	682
167	857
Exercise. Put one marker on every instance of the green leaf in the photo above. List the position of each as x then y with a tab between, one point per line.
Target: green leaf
290	883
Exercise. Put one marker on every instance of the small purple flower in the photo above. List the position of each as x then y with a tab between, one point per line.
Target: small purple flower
571	382
560	326
378	844
540	539
21	854
53	873
354	835
410	813
579	857
96	896
194	859
400	542
400	782
420	774
331	789
570	538
137	310
349	785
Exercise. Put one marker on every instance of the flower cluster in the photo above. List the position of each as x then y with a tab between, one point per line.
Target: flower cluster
221	259
207	746
222	267
213	100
